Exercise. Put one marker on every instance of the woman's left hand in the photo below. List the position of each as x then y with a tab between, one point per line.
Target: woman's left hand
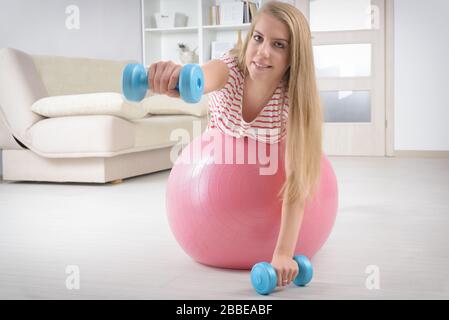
286	269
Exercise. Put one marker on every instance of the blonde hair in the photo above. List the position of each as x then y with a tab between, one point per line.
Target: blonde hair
304	126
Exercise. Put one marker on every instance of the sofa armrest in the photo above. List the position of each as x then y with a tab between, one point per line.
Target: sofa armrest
7	140
20	87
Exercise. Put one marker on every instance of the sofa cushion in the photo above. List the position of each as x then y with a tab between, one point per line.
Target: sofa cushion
103	103
162	104
20	87
104	136
111	103
72	75
81	135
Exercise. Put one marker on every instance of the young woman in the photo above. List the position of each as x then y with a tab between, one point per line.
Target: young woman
266	90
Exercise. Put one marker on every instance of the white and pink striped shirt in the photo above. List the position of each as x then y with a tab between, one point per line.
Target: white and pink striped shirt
225	109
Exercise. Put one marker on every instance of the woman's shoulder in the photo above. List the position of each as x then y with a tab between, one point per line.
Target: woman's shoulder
231	61
228	58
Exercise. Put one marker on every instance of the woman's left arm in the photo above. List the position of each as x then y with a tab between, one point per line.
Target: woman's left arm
282	261
292	215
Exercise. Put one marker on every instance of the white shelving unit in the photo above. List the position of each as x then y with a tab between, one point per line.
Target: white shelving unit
162	44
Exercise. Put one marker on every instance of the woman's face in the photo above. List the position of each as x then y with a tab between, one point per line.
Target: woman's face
268	52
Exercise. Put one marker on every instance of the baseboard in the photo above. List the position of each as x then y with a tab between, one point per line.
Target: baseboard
420	154
25	165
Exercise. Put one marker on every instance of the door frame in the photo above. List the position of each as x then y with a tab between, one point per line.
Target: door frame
389	78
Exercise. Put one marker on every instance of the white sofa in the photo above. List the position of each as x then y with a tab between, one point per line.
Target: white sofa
93	148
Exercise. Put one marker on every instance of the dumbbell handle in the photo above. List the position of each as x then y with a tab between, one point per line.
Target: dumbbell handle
143	77
190	82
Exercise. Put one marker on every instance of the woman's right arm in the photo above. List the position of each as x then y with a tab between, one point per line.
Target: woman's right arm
163	77
216	74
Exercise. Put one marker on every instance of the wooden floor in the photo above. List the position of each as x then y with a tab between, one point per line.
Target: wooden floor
393	218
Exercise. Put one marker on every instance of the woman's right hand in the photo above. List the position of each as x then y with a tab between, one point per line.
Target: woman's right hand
163	77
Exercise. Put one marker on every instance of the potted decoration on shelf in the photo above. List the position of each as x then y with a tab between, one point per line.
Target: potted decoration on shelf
186	55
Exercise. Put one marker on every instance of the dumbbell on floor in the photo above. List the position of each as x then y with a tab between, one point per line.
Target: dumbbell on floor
190	83
264	278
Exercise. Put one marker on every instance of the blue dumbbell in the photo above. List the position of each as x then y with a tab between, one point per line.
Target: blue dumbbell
264	278
190	84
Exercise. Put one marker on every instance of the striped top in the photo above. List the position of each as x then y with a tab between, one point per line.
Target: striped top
225	109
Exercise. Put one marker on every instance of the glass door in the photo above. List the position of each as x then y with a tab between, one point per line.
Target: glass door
349	53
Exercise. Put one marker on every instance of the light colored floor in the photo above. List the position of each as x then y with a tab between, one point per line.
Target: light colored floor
394	214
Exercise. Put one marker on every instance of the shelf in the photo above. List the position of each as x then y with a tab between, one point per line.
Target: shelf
192	29
227	27
163	43
172	30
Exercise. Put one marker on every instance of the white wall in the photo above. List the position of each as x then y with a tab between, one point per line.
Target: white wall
109	29
421	75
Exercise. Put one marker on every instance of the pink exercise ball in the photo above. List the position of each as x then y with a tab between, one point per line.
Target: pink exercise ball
223	207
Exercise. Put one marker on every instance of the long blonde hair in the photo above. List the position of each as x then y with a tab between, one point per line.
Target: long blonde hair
304	126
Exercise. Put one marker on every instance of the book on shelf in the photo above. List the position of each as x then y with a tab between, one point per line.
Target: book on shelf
233	12
252	10
214	15
245	12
